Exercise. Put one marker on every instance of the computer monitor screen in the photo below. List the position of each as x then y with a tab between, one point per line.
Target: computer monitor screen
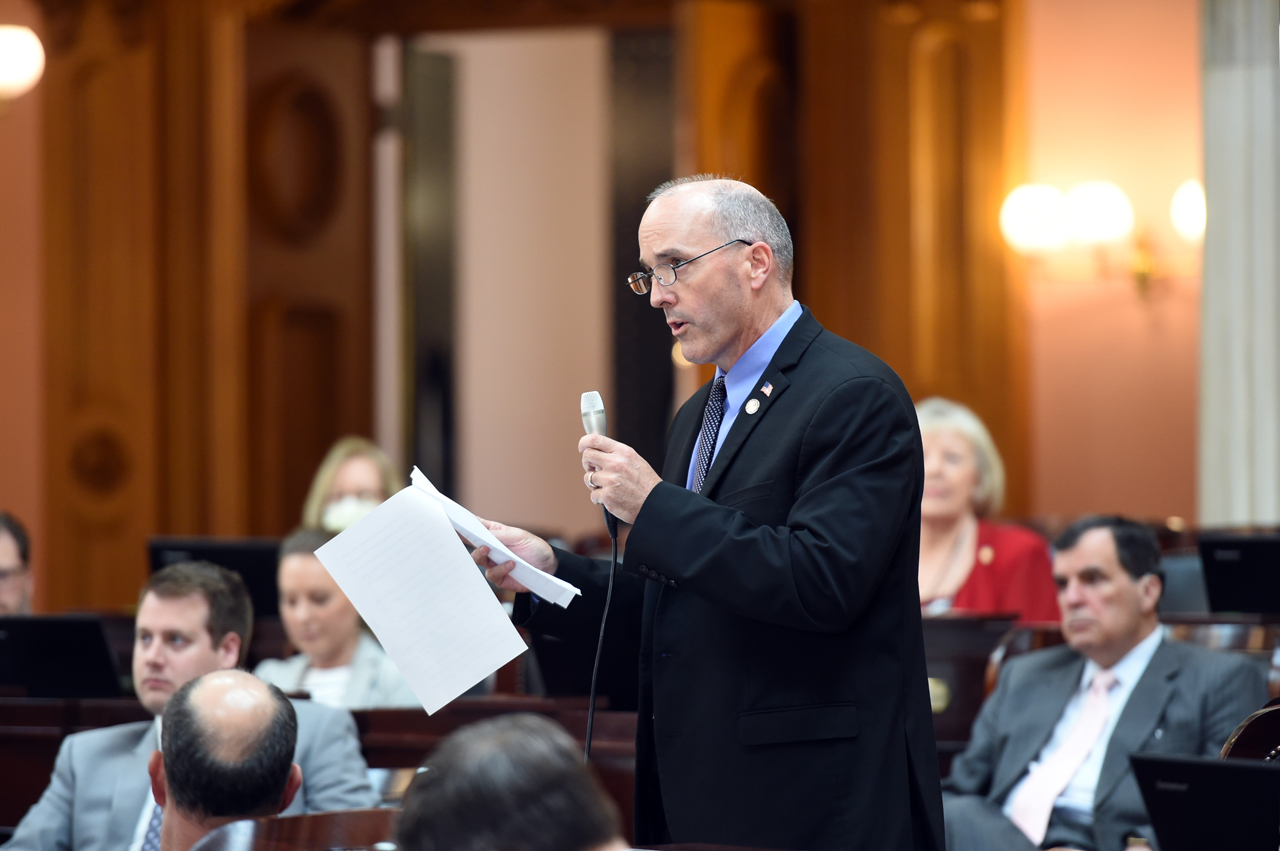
1241	571
57	656
253	558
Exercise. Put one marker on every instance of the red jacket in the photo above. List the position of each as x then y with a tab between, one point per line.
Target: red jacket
1012	573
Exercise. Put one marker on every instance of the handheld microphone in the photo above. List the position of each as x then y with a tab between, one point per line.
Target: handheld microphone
593	420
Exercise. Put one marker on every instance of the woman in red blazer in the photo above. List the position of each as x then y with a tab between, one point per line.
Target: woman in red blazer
968	563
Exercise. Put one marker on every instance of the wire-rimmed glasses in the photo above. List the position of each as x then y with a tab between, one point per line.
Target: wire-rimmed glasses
665	273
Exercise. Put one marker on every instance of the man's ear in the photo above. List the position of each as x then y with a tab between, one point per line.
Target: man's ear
155	767
760	256
229	651
1151	588
291	787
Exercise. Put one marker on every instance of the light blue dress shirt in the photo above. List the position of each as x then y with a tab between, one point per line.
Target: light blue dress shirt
743	377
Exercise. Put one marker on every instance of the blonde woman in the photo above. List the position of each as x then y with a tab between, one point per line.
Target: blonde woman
352	480
967	562
338	662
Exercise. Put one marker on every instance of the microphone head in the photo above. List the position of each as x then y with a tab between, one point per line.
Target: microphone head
593	419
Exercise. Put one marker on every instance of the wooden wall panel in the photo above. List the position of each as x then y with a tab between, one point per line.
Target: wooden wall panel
296	404
308	266
147	307
903	134
100	312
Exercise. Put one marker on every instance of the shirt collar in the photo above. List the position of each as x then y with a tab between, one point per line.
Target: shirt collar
739	380
1131	665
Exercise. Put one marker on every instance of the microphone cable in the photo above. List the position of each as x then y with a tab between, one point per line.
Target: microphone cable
611	523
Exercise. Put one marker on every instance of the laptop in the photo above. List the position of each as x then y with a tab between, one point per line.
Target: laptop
1197	803
1241	571
254	559
61	656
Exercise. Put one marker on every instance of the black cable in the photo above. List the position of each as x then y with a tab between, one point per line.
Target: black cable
611	523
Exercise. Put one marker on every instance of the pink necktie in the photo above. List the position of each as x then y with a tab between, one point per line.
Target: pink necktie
1033	804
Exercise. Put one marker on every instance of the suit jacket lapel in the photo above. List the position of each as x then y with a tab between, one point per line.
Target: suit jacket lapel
1142	712
1041	708
133	790
789	352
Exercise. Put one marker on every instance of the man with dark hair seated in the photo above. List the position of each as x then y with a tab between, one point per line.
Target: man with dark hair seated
227	742
193	619
1048	764
512	783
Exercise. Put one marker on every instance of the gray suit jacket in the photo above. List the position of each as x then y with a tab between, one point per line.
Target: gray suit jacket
376	683
1188	701
100	782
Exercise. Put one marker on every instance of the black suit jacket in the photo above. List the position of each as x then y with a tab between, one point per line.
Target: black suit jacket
783	695
1188	701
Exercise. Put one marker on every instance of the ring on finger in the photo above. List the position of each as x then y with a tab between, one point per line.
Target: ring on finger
591	480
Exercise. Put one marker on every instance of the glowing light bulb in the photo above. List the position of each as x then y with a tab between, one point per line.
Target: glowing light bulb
1188	211
1033	219
21	61
1098	211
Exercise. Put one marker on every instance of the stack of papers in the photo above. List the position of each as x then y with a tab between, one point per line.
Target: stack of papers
414	583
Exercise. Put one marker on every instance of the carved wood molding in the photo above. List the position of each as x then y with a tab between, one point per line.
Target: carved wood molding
64	18
415	16
295	156
62	21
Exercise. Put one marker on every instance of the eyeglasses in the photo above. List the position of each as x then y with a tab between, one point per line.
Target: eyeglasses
665	273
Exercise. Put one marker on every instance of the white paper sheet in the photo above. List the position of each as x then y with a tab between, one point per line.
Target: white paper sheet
414	584
546	586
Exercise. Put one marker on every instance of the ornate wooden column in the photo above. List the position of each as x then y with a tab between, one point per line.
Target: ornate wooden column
145	322
103	300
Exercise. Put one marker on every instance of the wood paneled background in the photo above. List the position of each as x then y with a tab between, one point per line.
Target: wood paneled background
207	218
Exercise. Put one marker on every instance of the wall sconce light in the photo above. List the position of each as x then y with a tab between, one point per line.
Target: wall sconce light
21	62
1189	212
1038	220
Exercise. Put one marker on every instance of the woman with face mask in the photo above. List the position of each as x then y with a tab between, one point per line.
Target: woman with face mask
353	479
968	563
338	662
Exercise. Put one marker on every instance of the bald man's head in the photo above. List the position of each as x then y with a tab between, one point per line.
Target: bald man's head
737	210
228	740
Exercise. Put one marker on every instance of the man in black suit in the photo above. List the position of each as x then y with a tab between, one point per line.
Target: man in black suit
1160	697
771	568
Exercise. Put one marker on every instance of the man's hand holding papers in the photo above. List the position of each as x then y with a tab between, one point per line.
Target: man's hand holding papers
526	545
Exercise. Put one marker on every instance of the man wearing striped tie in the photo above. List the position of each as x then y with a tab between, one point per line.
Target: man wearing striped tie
1048	763
770	569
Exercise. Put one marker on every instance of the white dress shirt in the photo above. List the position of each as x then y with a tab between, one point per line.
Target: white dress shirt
1079	794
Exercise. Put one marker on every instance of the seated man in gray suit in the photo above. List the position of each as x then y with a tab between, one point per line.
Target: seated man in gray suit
192	619
1048	764
228	742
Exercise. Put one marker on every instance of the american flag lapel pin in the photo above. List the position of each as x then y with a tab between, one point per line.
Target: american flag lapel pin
767	388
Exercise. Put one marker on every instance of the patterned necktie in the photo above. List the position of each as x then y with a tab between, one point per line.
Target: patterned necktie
151	842
711	416
1033	804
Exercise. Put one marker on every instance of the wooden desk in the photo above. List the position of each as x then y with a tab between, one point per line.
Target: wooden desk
957	650
402	738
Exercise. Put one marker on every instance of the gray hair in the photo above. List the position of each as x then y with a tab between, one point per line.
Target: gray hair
936	414
742	212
